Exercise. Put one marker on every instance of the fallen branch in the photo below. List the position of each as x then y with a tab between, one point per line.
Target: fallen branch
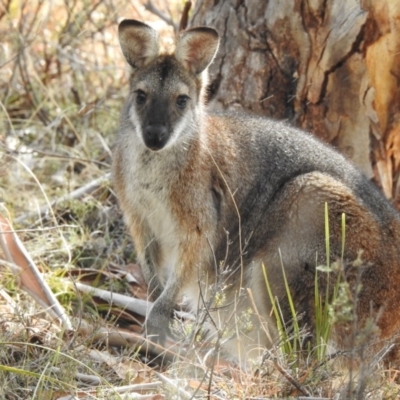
75	194
133	304
183	394
138	306
118	337
139	387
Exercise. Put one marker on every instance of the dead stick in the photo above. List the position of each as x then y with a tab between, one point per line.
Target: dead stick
149	6
291	379
75	194
185	16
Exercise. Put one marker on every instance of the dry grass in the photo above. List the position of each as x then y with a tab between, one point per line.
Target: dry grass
62	84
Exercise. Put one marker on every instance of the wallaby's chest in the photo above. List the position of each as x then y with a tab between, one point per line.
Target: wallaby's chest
172	201
149	188
149	185
160	188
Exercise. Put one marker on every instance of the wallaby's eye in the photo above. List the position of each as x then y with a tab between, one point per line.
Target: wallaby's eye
140	97
182	100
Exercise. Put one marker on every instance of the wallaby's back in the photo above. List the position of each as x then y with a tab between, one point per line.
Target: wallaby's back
213	199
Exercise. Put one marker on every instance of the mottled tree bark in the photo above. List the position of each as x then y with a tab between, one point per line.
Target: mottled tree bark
331	67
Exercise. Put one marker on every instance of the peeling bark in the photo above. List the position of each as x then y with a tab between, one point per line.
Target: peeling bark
331	67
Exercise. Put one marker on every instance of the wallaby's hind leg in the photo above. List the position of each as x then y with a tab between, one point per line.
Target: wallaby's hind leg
300	246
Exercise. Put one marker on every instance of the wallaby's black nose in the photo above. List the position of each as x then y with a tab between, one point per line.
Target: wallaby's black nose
156	136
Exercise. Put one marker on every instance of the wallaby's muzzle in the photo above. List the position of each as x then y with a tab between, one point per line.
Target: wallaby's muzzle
155	136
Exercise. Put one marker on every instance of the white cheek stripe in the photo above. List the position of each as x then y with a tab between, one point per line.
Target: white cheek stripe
183	124
136	123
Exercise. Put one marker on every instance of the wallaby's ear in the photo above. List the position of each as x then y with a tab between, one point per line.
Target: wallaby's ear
196	48
139	42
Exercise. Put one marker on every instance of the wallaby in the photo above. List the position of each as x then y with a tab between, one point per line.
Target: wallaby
212	200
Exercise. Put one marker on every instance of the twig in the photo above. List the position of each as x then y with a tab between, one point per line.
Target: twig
92	380
149	6
293	381
136	396
75	194
182	393
5	9
185	16
7	297
139	387
54	155
290	378
90	395
119	337
314	398
298	398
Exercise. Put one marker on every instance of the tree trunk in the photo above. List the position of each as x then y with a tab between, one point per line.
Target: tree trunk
331	67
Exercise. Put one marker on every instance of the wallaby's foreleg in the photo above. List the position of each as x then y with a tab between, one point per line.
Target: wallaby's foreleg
147	251
159	319
180	276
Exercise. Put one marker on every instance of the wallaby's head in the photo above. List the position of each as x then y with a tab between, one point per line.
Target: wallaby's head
165	89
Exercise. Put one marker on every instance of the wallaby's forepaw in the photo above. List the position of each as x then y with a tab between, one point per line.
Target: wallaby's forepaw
157	334
157	325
